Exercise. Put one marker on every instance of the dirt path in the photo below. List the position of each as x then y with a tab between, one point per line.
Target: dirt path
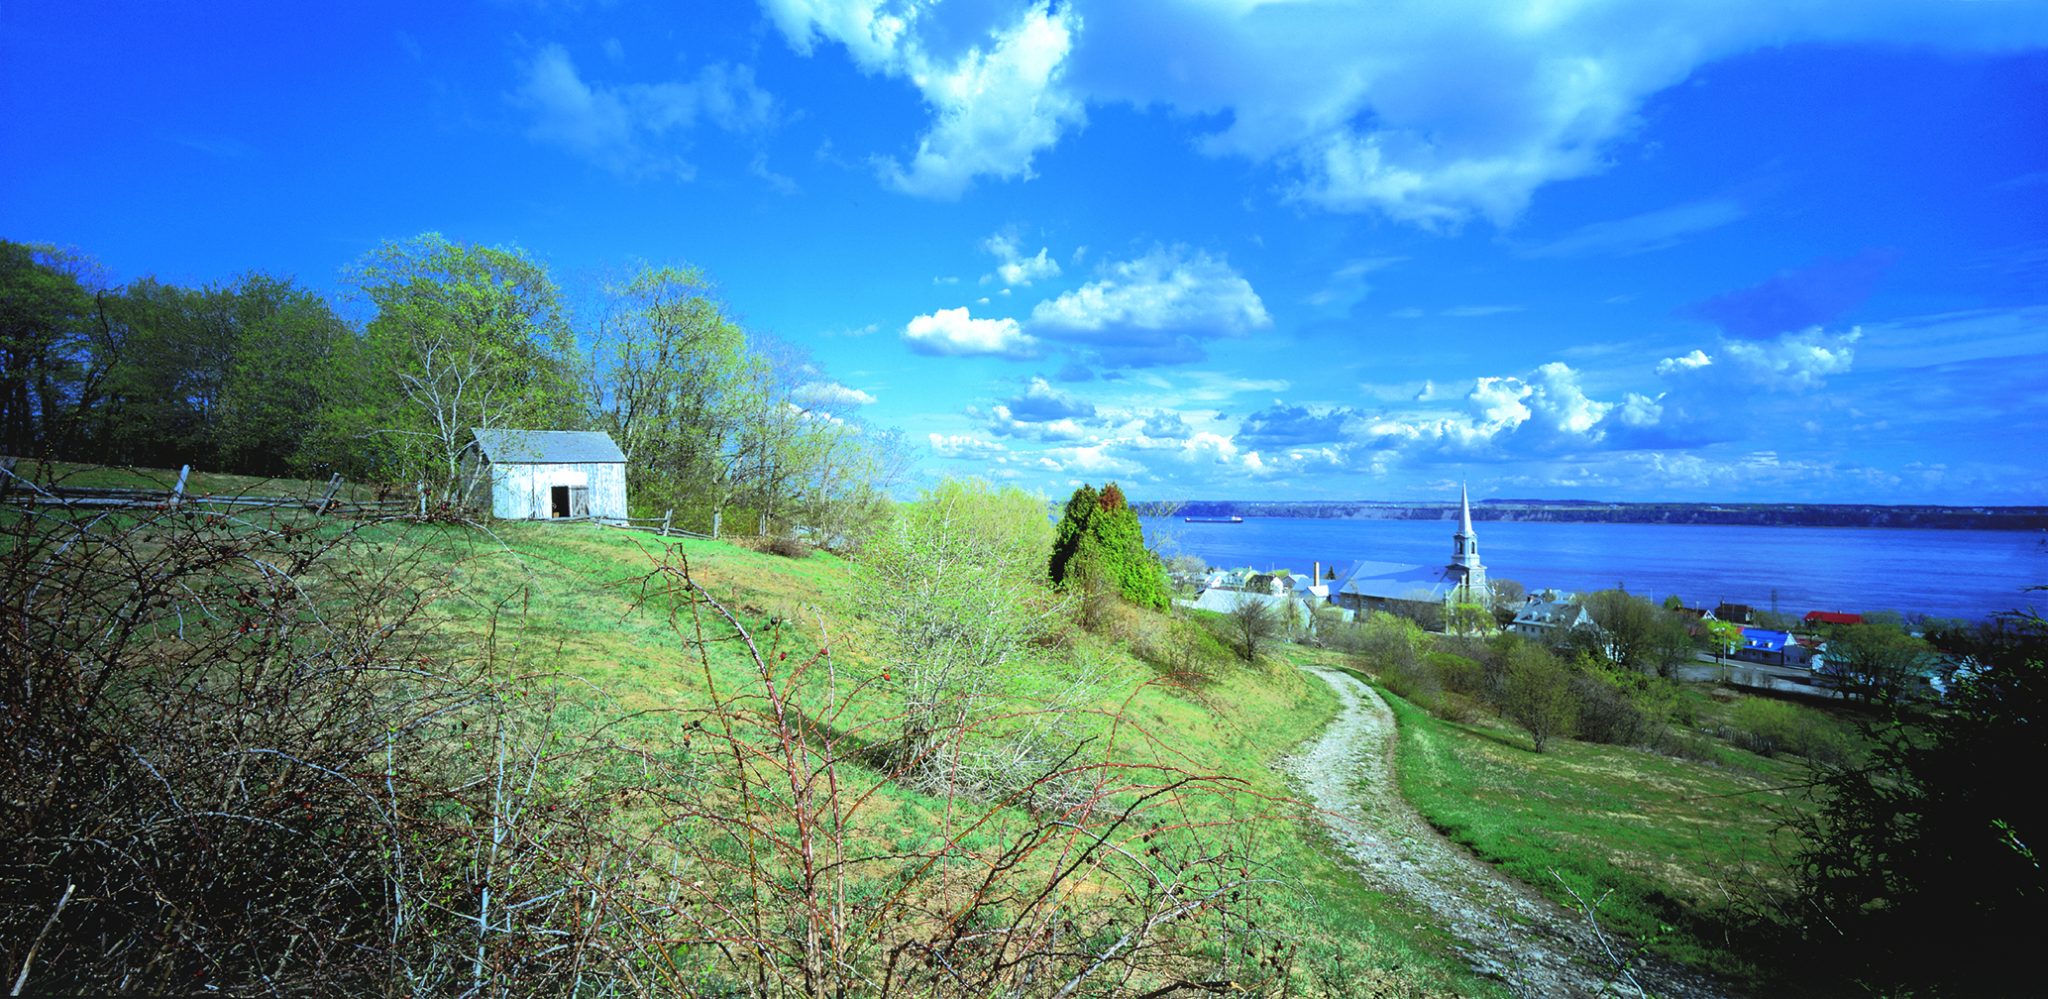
1506	930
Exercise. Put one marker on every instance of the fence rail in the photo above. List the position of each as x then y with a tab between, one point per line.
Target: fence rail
17	491
656	525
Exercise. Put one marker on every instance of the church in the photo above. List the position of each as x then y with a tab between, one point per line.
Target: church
1417	589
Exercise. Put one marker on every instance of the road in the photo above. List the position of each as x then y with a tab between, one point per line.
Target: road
1505	929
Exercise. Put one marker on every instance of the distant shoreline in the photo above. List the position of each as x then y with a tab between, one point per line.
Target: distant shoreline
1921	517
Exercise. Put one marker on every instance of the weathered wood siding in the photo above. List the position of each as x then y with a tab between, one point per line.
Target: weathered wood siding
521	492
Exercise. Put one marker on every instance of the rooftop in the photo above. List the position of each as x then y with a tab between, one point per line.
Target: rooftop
548	447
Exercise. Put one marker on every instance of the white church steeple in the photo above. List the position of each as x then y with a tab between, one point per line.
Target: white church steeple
1465	565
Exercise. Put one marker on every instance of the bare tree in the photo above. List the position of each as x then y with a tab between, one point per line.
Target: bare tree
1253	625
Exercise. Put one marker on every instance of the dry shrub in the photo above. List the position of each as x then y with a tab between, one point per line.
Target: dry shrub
787	547
234	762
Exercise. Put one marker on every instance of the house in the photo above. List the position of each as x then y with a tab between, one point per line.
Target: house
1763	645
548	474
1735	613
1284	605
1549	615
1816	618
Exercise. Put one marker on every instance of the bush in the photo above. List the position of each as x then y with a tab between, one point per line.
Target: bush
1612	706
788	547
1768	727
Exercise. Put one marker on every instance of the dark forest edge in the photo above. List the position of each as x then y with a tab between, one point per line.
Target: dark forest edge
1961	518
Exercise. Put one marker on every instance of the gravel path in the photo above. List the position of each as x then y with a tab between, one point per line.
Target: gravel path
1506	930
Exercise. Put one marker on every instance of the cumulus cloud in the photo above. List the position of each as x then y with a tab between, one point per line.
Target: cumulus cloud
1160	308
1041	403
627	127
1799	360
964	446
955	333
831	394
1684	362
994	105
1015	269
1431	114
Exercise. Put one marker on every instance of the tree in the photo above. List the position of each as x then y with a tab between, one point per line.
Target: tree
1673	603
1635	634
1101	529
1508	598
1253	625
53	351
956	581
1875	662
1464	618
464	337
1929	846
1722	635
1538	695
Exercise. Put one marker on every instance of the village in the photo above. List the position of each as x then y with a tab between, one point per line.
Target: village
1729	643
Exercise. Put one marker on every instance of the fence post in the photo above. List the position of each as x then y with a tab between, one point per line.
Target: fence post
333	484
421	487
178	494
670	512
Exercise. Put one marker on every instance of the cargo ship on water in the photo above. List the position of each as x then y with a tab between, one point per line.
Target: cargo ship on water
1213	520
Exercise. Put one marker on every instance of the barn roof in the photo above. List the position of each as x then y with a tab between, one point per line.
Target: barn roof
548	447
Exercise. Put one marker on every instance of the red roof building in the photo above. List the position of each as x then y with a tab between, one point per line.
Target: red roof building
1832	617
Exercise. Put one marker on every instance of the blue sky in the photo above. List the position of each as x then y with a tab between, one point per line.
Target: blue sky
1685	251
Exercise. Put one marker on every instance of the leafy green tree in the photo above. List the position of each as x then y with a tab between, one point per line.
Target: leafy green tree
53	352
1722	635
1538	695
1101	530
1467	618
1875	661
1923	871
464	337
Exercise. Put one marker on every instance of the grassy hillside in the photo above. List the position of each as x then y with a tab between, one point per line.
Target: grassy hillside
576	599
1680	855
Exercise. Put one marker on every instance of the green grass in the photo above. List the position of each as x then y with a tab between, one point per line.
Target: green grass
1680	856
567	597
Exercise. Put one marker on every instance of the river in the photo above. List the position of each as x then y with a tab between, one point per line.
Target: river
1966	574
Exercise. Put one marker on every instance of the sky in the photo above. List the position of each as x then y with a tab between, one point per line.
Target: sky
1787	251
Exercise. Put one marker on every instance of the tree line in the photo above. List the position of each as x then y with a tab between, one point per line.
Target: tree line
264	376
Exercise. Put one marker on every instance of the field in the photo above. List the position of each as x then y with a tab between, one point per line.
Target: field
1681	856
592	623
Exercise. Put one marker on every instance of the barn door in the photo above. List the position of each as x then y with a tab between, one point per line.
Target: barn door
558	501
579	501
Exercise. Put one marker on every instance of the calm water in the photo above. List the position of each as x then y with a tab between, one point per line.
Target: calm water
1947	573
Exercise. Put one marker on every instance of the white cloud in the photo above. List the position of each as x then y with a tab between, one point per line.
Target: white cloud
994	106
831	394
1799	360
1431	113
953	333
1156	309
963	446
1684	362
1014	268
624	128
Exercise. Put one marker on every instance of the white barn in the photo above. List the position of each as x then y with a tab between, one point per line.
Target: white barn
543	474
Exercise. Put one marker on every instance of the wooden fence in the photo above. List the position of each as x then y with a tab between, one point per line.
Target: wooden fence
18	491
656	525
